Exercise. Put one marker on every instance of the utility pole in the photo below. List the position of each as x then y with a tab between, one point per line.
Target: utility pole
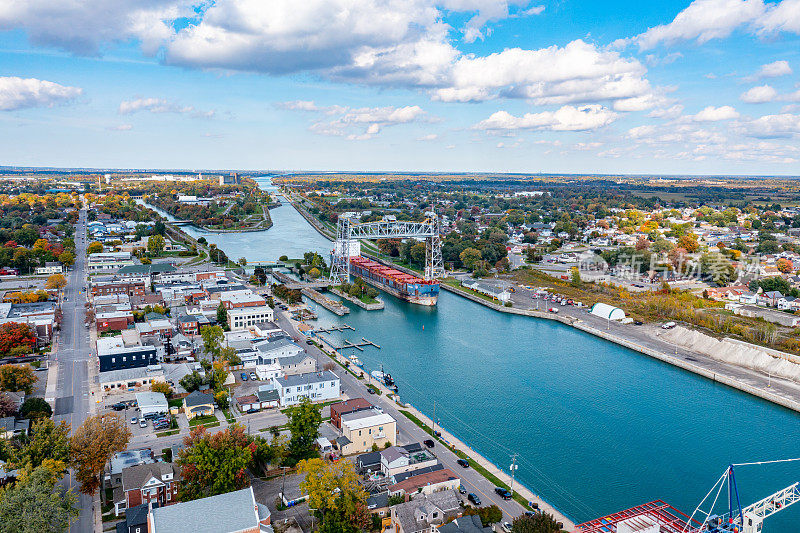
433	420
513	469
283	483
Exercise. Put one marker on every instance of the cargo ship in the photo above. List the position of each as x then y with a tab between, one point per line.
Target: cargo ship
405	286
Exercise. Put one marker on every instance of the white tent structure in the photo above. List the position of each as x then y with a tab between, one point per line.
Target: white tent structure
609	312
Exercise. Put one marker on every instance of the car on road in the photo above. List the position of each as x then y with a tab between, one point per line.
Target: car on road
134	420
461	489
553	310
474	498
506	527
503	493
119	406
309	341
637	322
371	390
143	423
463	463
243	375
253	376
530	513
251	411
429	443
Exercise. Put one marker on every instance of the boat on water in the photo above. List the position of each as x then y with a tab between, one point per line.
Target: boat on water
355	360
404	286
383	377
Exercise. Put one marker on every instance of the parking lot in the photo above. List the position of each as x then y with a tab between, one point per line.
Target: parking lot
129	413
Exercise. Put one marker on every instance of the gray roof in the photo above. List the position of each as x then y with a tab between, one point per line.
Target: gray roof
224	513
122	460
268	345
343	441
268	395
155	268
293	359
134	477
151	399
378	501
402	476
307	378
124	374
445	503
11	424
465	524
198	398
369	459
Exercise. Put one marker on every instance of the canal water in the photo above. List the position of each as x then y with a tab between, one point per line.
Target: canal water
597	427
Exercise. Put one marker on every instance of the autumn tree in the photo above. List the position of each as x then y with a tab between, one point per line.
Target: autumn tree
538	523
8	407
784	265
304	421
94	248
470	257
490	514
34	504
93	444
48	441
15	378
212	340
16	336
67	258
334	490
156	244
214	464
689	242
161	387
56	281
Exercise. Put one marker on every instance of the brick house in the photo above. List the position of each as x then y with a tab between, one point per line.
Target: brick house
349	406
146	483
188	325
131	288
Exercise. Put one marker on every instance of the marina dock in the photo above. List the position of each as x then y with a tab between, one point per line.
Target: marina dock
333	306
334	328
357	345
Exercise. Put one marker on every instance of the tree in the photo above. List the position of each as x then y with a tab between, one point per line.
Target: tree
93	444
222	315
242	262
538	523
222	399
689	242
217	376
575	277
304	421
94	248
469	258
35	408
35	504
162	387
156	244
212	339
67	258
15	378
784	265
489	515
8	407
314	273
214	464
56	281
16	334
334	490
229	355
48	441
191	382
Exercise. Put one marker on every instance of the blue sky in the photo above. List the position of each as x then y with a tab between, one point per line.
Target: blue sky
707	87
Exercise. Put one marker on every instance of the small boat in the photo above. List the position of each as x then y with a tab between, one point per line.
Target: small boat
355	360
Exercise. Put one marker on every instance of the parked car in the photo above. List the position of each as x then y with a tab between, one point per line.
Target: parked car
251	410
118	406
463	463
461	489
507	527
637	322
143	423
429	443
243	375
134	420
553	310
669	325
253	376
503	493
474	498
530	513
309	341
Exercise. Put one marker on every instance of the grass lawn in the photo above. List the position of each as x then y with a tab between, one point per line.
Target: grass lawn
175	402
229	416
207	420
169	432
457	284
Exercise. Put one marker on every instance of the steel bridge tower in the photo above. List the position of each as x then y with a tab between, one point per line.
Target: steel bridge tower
347	243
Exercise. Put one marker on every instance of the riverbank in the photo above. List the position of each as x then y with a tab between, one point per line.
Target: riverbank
783	393
355	301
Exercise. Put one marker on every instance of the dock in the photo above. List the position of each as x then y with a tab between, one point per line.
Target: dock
333	306
357	345
333	328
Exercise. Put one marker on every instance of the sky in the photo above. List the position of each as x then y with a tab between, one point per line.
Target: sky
667	87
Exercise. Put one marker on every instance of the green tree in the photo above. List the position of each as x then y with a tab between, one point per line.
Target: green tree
67	258
156	244
335	492
222	316
470	257
191	382
48	441
538	523
304	421
490	514
17	378
35	504
35	408
212	339
222	399
214	464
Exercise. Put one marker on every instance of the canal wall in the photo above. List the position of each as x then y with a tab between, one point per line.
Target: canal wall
333	306
369	307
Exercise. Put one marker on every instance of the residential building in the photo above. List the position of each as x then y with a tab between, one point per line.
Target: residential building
232	512
426	483
401	459
465	524
11	427
189	325
125	459
317	386
426	513
365	429
301	363
50	267
244	317
135	519
147	483
348	406
198	404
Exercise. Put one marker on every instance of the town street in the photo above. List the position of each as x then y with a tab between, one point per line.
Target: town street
72	402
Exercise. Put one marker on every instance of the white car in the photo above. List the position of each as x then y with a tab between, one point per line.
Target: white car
507	527
669	325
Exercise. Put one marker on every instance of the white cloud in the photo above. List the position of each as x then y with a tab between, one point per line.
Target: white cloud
773	126
487	11
775	69
671	112
363	123
121	127
715	114
641	132
567	118
160	105
428	137
758	95
299	105
19	93
783	16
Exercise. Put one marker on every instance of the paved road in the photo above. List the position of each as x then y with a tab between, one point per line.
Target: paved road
73	395
409	432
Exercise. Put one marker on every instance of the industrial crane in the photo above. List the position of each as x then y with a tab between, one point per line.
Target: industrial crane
348	232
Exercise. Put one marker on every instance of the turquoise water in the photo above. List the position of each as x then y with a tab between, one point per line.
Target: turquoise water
597	427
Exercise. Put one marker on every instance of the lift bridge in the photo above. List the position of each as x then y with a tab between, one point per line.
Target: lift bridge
348	233
659	517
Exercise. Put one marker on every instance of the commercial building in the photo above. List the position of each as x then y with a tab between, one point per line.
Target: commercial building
316	386
365	429
348	406
118	286
117	358
403	459
244	317
154	403
426	483
131	378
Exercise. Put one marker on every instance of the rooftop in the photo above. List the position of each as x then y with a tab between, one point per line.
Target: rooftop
224	513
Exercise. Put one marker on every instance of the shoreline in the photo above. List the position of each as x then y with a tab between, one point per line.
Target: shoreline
718	377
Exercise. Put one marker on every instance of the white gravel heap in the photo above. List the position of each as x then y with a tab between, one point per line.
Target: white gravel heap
734	352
